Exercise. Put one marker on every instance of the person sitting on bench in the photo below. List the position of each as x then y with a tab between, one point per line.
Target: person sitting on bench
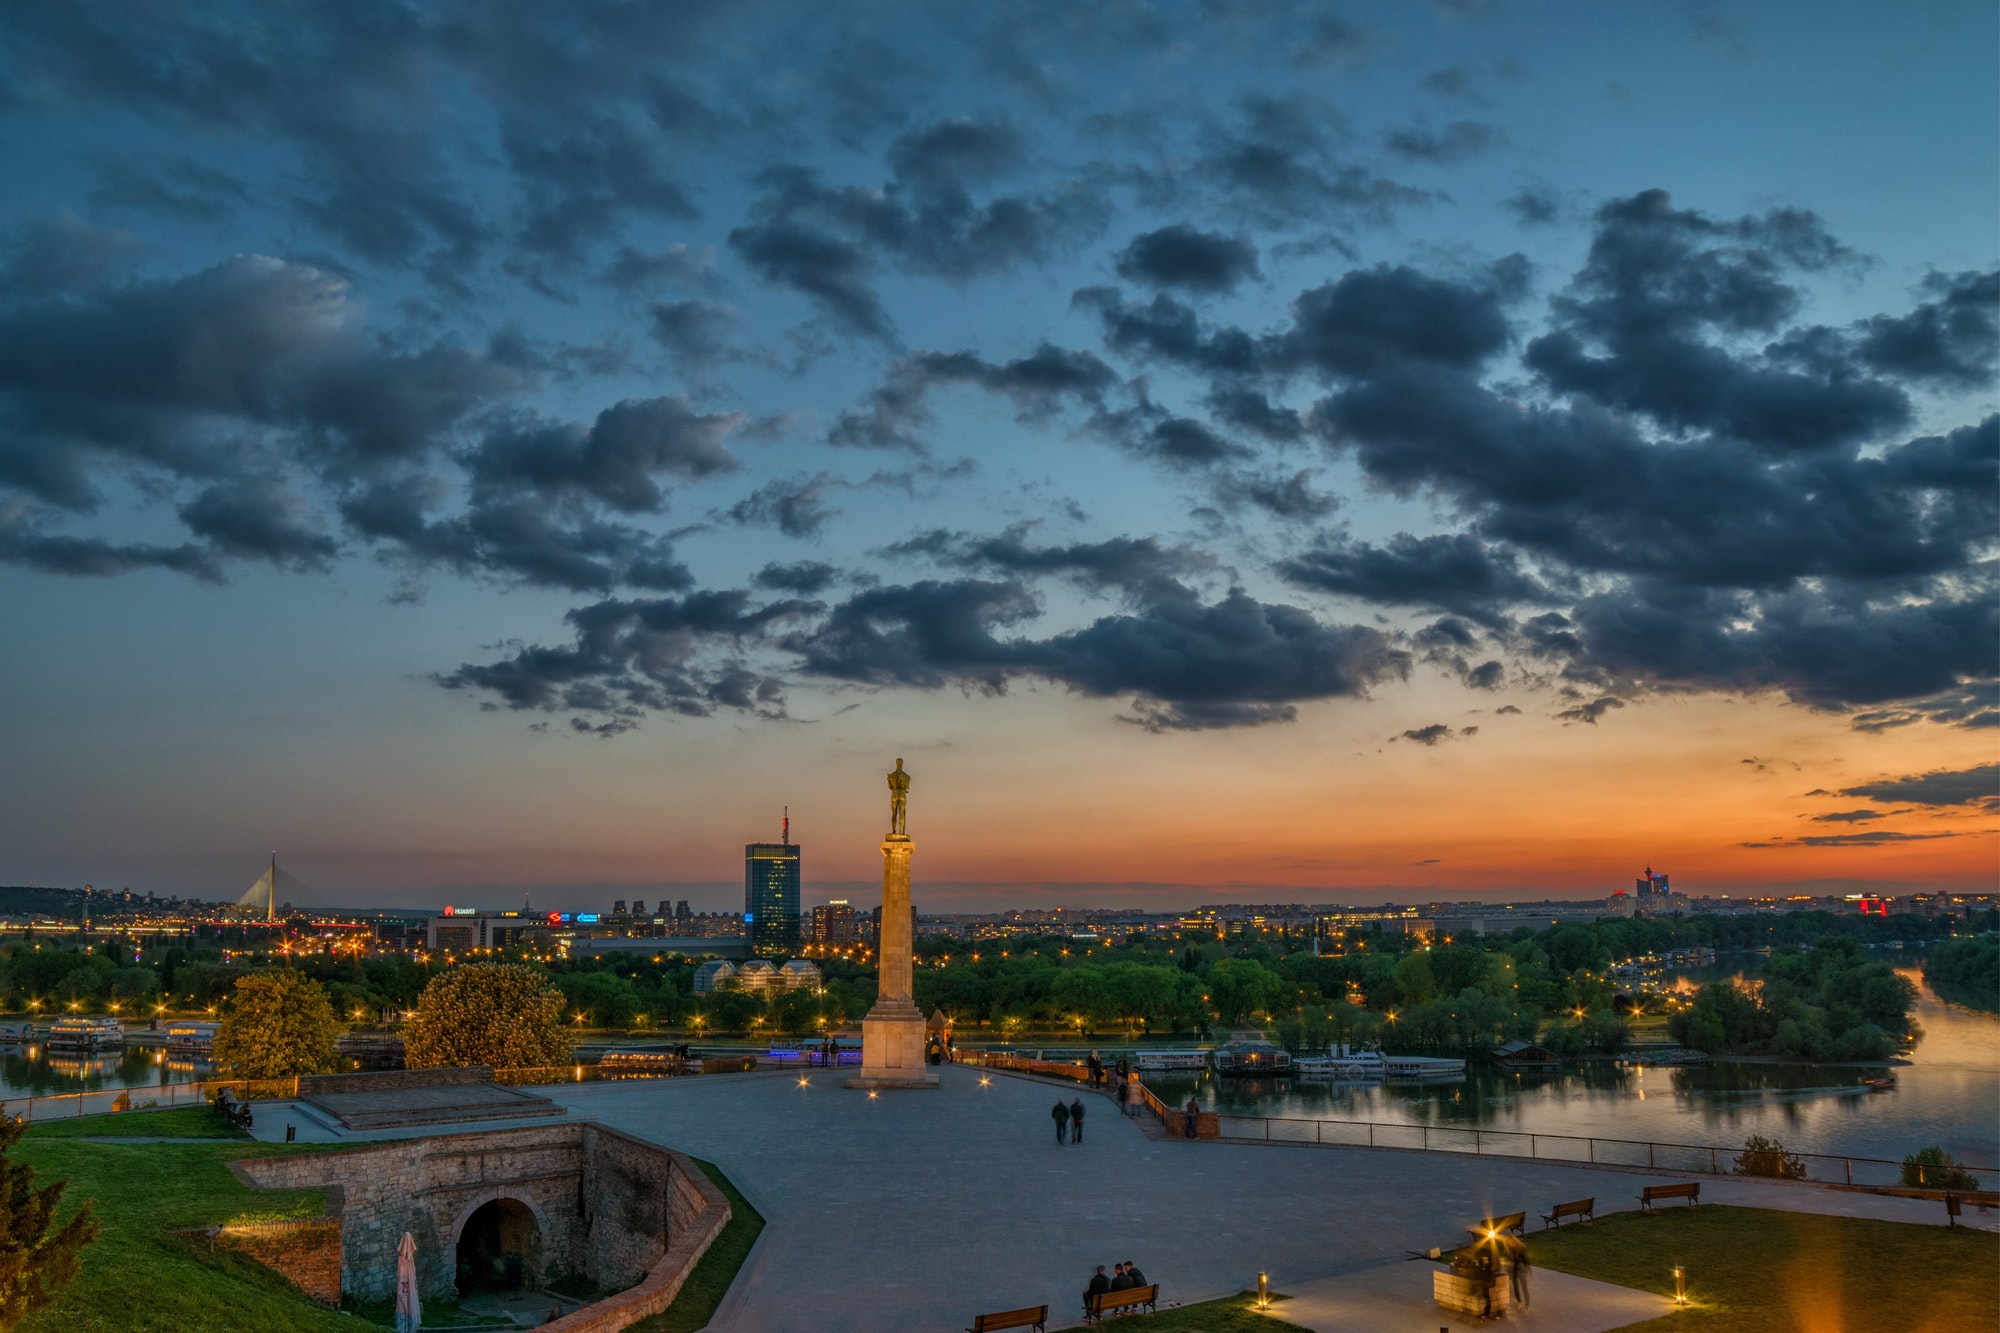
1132	1271
1120	1278
1099	1284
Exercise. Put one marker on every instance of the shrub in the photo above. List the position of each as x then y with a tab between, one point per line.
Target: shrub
1767	1157
1934	1168
278	1024
505	1015
34	1261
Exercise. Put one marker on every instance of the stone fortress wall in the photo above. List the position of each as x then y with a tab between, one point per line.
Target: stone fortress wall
626	1213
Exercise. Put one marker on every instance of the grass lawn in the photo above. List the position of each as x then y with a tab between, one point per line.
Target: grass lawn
1231	1314
706	1286
187	1122
137	1280
1757	1269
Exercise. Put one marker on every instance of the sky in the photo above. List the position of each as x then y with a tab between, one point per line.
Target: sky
1284	452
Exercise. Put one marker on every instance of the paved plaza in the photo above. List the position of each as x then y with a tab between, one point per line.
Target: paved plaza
921	1209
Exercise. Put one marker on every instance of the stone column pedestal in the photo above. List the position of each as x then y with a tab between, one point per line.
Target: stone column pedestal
892	1035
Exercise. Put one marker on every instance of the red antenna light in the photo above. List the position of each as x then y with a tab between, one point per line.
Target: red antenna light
788	826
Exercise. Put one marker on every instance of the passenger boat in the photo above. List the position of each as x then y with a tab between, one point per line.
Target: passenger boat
1346	1064
86	1034
1154	1061
196	1038
1252	1059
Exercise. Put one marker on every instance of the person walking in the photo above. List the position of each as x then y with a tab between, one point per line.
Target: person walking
1193	1111
1124	1095
1076	1121
1061	1117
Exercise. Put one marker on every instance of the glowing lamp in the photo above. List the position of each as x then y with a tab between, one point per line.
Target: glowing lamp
1680	1285
1263	1290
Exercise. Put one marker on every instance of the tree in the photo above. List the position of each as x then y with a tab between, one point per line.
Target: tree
505	1015
278	1024
1767	1157
33	1260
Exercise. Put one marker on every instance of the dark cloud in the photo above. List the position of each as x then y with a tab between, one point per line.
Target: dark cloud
1142	569
617	459
807	578
1189	666
1976	786
1951	340
259	518
1279	159
1182	256
1848	816
1433	735
1592	710
1534	206
1659	281
1973	704
1039	385
672	654
1373	320
65	254
696	333
1455	142
1289	497
21	543
1456	572
797	508
827	241
1873	838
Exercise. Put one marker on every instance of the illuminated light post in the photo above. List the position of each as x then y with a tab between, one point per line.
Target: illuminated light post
1680	1285
1263	1291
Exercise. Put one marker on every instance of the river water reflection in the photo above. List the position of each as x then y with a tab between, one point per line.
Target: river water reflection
42	1074
1949	1094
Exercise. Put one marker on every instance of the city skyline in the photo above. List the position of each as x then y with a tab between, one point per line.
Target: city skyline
1454	451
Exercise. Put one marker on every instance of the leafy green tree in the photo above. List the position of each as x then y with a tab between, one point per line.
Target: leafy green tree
1767	1157
1240	987
1934	1168
505	1015
277	1024
34	1260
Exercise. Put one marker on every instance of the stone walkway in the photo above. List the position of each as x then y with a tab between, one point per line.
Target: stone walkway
918	1210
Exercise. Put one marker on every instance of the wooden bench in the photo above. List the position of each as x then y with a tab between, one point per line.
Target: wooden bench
232	1110
1104	1302
1584	1208
1493	1226
1955	1201
1028	1316
1654	1193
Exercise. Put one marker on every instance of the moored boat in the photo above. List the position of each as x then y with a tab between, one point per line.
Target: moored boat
86	1034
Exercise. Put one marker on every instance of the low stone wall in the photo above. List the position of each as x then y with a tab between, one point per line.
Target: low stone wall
605	1204
699	1212
392	1080
305	1253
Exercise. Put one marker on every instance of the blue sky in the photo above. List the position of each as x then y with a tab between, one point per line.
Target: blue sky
483	446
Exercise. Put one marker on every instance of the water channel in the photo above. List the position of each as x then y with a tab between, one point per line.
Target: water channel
32	1071
1947	1094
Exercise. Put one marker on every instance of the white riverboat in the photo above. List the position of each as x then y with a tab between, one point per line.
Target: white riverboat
86	1034
1154	1061
1346	1064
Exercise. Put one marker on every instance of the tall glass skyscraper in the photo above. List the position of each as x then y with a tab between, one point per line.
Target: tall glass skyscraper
771	897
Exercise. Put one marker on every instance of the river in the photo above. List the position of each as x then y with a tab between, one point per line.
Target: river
1948	1094
41	1074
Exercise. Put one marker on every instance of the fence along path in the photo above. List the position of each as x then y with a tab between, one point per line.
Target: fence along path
1576	1150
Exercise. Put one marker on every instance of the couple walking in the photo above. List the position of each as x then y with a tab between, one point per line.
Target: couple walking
1069	1120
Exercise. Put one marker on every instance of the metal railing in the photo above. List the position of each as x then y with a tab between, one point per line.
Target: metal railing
146	1097
1578	1150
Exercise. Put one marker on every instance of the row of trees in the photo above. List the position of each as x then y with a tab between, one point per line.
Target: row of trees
1966	971
280	1023
1828	1003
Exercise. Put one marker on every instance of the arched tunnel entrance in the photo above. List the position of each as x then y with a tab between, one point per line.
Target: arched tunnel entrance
496	1248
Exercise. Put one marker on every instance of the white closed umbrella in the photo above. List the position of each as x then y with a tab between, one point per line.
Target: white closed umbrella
409	1310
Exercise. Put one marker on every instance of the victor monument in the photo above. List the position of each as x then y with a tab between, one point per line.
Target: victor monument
892	1035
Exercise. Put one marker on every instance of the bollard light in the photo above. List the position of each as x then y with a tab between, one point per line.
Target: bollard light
1680	1285
1263	1290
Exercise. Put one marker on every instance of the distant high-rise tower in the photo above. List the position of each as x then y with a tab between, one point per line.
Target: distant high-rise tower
771	895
